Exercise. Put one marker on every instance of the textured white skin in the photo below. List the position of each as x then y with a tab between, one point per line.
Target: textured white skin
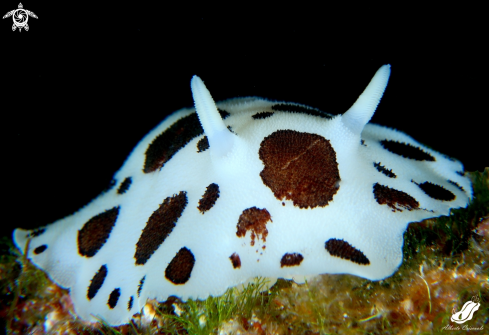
352	215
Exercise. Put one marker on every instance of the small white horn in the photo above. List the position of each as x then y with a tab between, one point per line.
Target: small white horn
363	109
220	138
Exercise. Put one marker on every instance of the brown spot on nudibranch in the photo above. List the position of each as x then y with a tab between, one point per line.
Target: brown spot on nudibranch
235	260
291	259
168	143
456	185
254	219
140	286
203	144
180	267
393	198
124	185
301	167
224	114
436	191
300	109
209	198
407	150
129	303
36	232
384	170
40	249
262	115
97	282
114	298
343	249
96	231
160	224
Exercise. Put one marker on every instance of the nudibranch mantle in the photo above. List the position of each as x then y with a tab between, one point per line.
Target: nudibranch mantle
221	193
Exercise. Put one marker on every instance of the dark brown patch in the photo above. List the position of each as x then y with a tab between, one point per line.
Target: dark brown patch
231	129
140	286
300	109
407	150
384	170
180	267
300	167
362	142
114	298
209	198
224	114
254	219
235	260
262	115
393	198
160	225
168	143
436	191
96	231
456	185
125	185
291	259
203	144
40	249
343	249
97	282
36	232
129	303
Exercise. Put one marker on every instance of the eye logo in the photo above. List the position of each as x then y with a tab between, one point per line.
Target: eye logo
20	17
467	311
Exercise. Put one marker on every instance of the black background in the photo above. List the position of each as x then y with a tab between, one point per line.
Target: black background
88	81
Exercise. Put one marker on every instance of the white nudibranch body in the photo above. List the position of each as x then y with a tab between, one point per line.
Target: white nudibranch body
247	187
